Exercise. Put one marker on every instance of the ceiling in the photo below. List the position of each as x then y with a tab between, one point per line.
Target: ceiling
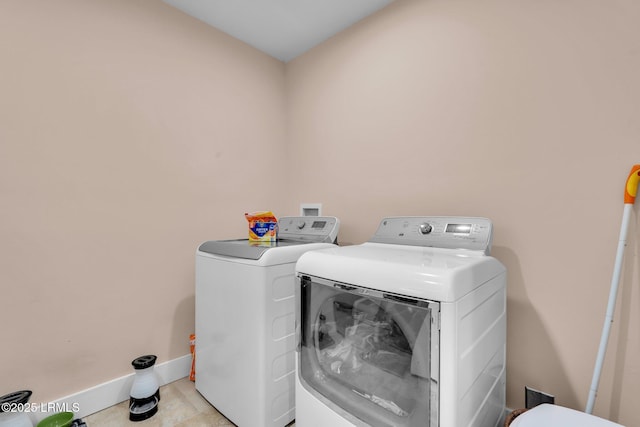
283	29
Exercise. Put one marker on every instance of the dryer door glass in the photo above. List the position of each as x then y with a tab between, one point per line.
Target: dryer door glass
368	354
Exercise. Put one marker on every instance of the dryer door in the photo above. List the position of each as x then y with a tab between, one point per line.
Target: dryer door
369	354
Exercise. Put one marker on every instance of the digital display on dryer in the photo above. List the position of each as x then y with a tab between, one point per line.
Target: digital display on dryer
458	228
318	224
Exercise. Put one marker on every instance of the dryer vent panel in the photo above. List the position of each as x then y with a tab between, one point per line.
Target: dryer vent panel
533	398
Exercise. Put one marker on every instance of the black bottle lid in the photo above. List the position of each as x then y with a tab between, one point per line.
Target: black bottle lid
144	362
15	398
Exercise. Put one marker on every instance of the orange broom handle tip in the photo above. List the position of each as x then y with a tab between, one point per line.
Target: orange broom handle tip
631	187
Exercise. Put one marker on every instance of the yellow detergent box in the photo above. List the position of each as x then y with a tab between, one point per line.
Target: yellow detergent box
263	227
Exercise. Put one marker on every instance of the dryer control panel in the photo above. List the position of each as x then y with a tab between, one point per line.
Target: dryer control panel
450	232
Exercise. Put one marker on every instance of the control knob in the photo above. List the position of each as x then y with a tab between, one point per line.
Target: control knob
425	228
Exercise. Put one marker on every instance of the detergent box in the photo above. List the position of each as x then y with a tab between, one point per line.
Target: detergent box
263	227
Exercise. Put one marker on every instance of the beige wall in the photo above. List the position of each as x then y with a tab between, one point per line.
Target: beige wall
522	111
129	133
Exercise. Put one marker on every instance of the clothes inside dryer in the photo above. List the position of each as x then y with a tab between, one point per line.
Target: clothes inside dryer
371	353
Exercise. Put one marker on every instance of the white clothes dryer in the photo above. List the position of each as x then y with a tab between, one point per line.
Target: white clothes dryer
408	329
557	416
245	320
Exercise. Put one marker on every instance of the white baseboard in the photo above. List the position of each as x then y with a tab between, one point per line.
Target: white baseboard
105	395
112	392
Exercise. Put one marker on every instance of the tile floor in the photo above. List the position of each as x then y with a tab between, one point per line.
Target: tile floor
180	406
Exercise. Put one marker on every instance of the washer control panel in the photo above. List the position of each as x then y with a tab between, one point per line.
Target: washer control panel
450	232
309	228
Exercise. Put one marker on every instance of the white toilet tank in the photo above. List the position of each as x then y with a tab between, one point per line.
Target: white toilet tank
556	416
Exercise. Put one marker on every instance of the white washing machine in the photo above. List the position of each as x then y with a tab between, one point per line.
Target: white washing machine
245	320
408	329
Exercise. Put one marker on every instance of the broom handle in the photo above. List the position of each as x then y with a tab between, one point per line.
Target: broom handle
631	189
608	320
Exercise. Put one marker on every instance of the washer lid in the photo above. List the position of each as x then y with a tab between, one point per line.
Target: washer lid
558	416
293	230
242	248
